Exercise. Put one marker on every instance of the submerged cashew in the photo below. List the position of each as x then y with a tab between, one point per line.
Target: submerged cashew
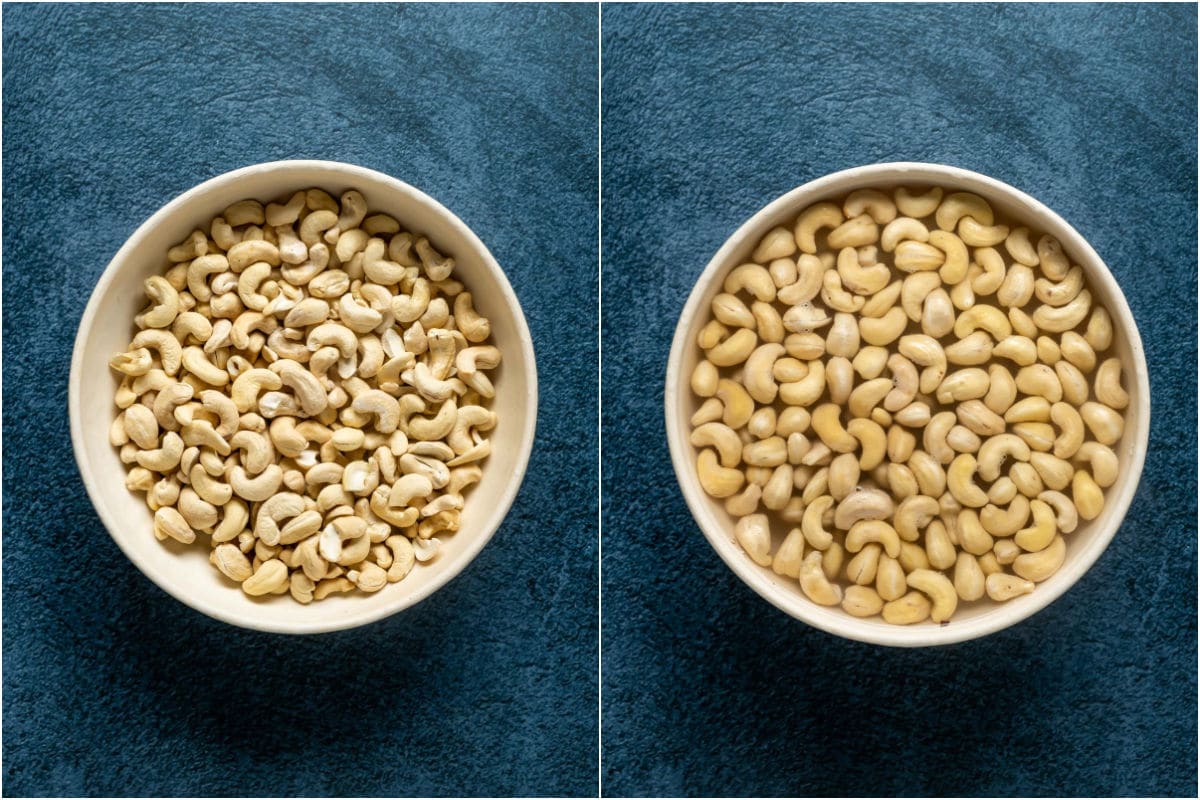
790	344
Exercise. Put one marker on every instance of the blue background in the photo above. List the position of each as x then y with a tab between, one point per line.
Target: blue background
710	113
111	686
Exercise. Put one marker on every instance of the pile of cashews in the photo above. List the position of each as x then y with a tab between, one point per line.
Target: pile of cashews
917	397
308	389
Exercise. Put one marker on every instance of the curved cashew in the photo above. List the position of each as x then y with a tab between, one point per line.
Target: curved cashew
872	439
721	437
210	490
939	590
1057	319
758	378
752	278
278	507
803	392
1055	472
258	453
474	326
1039	566
883	300
836	297
826	423
873	530
983	317
1066	516
469	418
198	272
860	278
913	514
996	450
170	352
1099	330
907	610
247	386
335	335
964	384
270	576
810	275
902	229
813	219
866	504
918	205
1000	522
169	522
719	482
812	523
164	458
437	427
872	202
164	304
883	330
224	409
308	390
1039	380
1017	287
199	513
778	243
1105	424
905	380
934	437
258	488
866	396
959	480
1088	497
1038	435
1039	535
968	577
815	584
195	361
1061	293
963	204
753	533
914	256
1102	462
1108	384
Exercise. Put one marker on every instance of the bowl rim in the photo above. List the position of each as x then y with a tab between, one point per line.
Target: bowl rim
798	606
199	601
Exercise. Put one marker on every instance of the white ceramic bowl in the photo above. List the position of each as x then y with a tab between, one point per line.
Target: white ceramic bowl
107	327
971	620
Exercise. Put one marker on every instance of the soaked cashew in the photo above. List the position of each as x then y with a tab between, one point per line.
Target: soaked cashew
945	475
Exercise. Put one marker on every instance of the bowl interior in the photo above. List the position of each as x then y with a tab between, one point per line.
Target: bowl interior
1084	546
107	327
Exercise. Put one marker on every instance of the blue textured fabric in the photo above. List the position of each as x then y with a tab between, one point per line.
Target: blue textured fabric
710	112
112	687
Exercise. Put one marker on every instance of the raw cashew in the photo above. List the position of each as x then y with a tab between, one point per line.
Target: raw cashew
940	591
815	584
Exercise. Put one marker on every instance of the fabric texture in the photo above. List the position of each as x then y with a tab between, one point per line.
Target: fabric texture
711	112
110	686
